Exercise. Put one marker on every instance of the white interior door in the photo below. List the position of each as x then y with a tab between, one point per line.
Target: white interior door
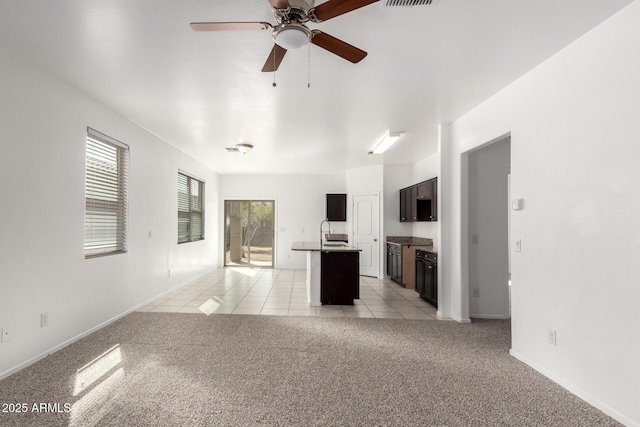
366	229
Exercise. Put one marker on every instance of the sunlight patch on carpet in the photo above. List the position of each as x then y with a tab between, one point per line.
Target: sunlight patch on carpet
94	370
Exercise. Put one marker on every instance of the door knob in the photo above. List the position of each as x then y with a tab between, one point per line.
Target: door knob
375	240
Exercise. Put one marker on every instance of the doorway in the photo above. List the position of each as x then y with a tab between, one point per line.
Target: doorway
366	231
488	223
249	233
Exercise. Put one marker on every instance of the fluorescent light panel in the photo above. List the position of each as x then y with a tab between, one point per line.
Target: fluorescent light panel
386	142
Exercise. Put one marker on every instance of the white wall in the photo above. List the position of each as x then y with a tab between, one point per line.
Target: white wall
395	178
365	180
42	162
488	227
300	207
574	147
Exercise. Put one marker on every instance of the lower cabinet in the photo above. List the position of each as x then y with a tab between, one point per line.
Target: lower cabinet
420	272
339	277
394	262
427	276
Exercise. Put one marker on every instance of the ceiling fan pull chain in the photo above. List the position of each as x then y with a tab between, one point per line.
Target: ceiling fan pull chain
309	67
274	67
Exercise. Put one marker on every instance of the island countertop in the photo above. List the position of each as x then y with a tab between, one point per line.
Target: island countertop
315	246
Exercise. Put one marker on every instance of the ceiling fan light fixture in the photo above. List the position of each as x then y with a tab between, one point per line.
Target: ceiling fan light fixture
244	148
291	35
386	142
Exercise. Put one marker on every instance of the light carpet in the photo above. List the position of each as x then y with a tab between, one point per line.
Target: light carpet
166	369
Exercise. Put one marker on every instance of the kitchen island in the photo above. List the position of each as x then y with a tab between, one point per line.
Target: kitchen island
333	272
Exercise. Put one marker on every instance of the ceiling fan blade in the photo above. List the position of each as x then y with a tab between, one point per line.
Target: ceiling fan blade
279	4
333	8
338	47
274	59
230	26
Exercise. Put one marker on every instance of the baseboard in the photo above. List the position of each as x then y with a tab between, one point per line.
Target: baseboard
62	345
577	391
453	317
489	316
89	331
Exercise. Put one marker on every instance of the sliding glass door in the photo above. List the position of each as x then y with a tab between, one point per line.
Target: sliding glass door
248	233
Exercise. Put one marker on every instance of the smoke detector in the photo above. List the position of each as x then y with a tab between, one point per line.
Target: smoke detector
243	148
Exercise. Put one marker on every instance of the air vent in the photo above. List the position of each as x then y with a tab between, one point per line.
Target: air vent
407	3
232	150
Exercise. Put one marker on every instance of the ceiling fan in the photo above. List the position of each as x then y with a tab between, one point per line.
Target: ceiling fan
290	31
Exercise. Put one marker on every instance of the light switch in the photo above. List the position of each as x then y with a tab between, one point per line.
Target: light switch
518	245
5	335
517	204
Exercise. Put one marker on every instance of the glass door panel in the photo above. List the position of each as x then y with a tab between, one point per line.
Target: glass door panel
249	231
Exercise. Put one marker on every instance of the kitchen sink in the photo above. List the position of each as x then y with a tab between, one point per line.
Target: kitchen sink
335	244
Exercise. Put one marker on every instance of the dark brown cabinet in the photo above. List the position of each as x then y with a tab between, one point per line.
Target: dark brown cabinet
394	262
339	277
420	272
337	207
427	276
406	213
413	203
419	202
408	204
425	190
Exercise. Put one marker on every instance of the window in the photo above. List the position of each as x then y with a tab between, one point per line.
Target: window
190	209
105	218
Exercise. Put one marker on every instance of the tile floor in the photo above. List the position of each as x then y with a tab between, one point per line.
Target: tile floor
245	290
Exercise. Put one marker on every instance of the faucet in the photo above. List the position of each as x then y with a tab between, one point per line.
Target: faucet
321	224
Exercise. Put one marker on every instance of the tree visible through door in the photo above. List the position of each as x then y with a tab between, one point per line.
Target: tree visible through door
249	231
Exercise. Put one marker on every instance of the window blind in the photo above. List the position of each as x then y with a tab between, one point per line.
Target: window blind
190	209
105	220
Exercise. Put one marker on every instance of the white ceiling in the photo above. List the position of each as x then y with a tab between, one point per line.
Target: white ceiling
202	92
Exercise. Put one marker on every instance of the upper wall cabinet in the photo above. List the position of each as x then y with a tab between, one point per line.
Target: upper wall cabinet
425	190
408	204
419	202
337	207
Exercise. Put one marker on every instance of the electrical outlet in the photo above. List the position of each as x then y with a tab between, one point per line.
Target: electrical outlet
476	292
552	336
518	245
44	319
5	335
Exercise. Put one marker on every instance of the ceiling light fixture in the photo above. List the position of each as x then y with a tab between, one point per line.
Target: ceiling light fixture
386	142
291	35
244	148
